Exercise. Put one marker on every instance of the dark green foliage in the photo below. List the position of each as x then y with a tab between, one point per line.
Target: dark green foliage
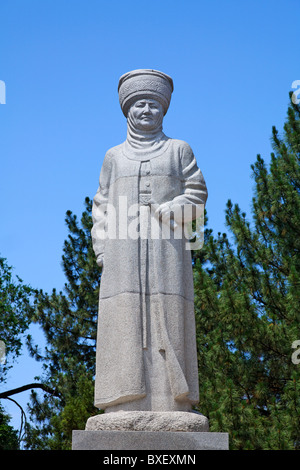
8	436
15	312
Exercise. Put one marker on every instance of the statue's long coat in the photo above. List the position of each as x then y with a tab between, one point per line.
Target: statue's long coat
139	273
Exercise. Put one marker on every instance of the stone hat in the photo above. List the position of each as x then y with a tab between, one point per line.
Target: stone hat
145	83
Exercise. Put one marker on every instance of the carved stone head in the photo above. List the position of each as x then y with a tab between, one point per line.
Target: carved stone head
145	84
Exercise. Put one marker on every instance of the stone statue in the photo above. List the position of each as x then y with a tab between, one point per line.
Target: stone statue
146	356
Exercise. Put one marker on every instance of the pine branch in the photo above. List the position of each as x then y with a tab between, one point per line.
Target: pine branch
23	418
44	387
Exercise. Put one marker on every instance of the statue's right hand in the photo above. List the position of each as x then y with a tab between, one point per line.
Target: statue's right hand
100	260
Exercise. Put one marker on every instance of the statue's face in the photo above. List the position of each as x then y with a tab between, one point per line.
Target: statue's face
146	114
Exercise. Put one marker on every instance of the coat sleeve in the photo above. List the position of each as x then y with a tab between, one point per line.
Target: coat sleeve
99	210
187	205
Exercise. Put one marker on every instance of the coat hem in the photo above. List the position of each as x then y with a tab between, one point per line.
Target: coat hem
122	397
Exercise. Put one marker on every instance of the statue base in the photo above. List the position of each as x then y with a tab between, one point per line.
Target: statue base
174	421
149	440
148	430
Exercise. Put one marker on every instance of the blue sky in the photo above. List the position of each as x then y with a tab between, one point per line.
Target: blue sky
233	63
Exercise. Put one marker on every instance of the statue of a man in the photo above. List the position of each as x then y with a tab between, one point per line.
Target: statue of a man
146	345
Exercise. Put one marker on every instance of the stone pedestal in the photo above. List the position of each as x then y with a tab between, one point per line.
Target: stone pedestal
149	440
148	430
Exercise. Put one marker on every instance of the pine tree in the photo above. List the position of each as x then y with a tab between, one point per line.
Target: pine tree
69	321
15	312
248	304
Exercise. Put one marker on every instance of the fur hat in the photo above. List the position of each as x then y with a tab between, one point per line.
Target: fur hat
145	83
